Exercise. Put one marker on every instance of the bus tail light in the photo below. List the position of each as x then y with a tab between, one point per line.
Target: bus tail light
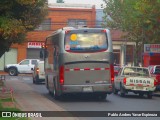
124	81
61	75
112	73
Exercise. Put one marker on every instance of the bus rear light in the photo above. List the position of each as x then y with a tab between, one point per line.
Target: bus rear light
112	73
124	81
61	75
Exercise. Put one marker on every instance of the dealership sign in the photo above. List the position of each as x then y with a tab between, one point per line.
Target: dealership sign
152	48
35	44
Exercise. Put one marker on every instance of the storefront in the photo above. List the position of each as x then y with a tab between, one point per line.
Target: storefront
33	49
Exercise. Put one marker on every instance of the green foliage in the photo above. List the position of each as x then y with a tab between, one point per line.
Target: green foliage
139	18
17	17
136	17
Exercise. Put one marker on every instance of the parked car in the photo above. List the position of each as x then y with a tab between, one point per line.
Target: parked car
38	72
134	79
155	72
23	67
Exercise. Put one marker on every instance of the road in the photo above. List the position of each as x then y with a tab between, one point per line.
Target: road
113	102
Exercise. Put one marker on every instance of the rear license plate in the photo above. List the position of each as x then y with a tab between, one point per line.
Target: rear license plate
87	89
139	87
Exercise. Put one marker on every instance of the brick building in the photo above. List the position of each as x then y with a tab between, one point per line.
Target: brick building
59	16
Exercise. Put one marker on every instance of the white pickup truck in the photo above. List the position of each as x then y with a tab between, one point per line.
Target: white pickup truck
24	66
134	79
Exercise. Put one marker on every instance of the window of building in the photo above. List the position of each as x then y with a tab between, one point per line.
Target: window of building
46	25
76	22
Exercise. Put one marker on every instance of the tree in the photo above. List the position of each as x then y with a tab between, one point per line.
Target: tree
138	18
60	1
17	17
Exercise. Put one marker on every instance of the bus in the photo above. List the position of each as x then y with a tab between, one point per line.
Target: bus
79	61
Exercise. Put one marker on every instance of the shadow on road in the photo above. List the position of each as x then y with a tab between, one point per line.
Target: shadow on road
136	96
77	98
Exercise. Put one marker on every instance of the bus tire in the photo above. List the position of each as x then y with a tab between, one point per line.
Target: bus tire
56	97
47	83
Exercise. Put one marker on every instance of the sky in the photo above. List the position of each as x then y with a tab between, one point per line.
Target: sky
92	2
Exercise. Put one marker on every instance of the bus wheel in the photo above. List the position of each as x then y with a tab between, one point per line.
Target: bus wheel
56	97
47	83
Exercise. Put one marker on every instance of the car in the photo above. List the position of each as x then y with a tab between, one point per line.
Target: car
134	79
22	67
38	72
155	72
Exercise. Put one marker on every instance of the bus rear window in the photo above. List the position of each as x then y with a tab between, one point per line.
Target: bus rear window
86	42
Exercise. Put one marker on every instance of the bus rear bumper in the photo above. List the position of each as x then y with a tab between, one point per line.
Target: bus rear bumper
100	88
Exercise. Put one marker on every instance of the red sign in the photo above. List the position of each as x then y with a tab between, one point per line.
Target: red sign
35	44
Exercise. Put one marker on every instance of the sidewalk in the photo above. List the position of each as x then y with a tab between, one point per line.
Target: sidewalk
29	100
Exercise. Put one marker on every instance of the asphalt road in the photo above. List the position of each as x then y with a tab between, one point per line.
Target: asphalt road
113	102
